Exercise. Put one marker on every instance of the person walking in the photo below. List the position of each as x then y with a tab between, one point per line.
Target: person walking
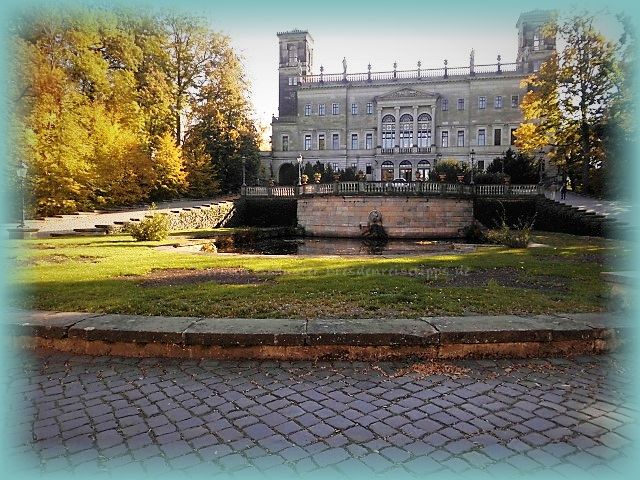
563	191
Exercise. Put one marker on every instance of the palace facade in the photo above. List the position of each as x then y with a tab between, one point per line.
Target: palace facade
400	123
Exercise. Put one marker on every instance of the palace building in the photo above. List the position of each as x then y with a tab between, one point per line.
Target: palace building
400	123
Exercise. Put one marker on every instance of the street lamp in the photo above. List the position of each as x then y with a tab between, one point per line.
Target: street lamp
472	154
540	166
244	171
299	159
504	154
22	175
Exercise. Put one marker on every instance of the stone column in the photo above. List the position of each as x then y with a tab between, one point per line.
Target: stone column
415	125
397	140
379	128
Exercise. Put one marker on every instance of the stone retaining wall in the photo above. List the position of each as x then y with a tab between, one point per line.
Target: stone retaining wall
402	217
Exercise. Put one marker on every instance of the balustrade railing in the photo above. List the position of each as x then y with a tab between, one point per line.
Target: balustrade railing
495	68
390	188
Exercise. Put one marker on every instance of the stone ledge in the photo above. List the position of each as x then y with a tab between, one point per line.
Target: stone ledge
433	337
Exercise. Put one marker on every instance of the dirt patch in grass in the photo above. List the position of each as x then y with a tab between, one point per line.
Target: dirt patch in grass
504	276
57	259
184	276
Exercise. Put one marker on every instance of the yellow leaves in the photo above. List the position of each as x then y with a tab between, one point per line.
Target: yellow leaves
530	138
168	166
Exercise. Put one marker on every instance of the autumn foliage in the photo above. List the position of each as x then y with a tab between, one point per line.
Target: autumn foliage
104	100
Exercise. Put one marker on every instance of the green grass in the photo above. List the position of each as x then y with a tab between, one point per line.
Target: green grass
100	274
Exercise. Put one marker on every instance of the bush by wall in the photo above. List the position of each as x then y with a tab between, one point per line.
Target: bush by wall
152	228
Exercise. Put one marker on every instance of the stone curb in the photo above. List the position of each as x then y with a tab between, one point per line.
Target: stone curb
428	337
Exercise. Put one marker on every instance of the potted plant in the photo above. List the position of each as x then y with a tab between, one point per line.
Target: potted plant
304	178
317	177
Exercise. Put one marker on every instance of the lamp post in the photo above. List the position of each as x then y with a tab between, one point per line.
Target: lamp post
472	155
244	171
540	166
504	154
299	159
22	175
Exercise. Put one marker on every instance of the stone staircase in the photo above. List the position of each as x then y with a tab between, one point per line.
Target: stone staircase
557	216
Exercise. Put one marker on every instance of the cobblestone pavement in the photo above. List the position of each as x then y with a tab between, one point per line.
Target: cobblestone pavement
482	417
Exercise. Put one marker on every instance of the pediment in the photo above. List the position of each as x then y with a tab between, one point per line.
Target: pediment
406	93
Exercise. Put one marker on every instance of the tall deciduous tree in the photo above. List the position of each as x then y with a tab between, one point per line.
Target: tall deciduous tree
569	100
222	127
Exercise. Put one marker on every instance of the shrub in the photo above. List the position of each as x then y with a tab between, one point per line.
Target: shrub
517	237
150	228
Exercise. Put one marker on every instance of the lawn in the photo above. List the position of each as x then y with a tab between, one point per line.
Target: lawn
114	274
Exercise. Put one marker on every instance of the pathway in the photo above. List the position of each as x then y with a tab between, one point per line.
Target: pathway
616	209
67	223
480	417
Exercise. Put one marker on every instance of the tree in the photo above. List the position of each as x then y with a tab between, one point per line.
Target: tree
569	99
221	124
194	54
518	166
99	99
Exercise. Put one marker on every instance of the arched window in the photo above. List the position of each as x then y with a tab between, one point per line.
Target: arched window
406	130
388	131
405	170
424	130
423	170
386	171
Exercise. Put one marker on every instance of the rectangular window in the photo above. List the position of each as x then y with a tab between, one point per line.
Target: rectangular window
368	141
461	138
537	40
321	141
512	137
285	143
321	109
482	137
444	104
335	109
497	136
293	53
307	110
481	165
461	104
498	101
354	109
354	141
293	80
445	139
335	141
307	142
369	108
368	169
354	165
482	103
515	100
335	167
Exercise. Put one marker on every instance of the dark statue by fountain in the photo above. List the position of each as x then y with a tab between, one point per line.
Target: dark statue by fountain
374	237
